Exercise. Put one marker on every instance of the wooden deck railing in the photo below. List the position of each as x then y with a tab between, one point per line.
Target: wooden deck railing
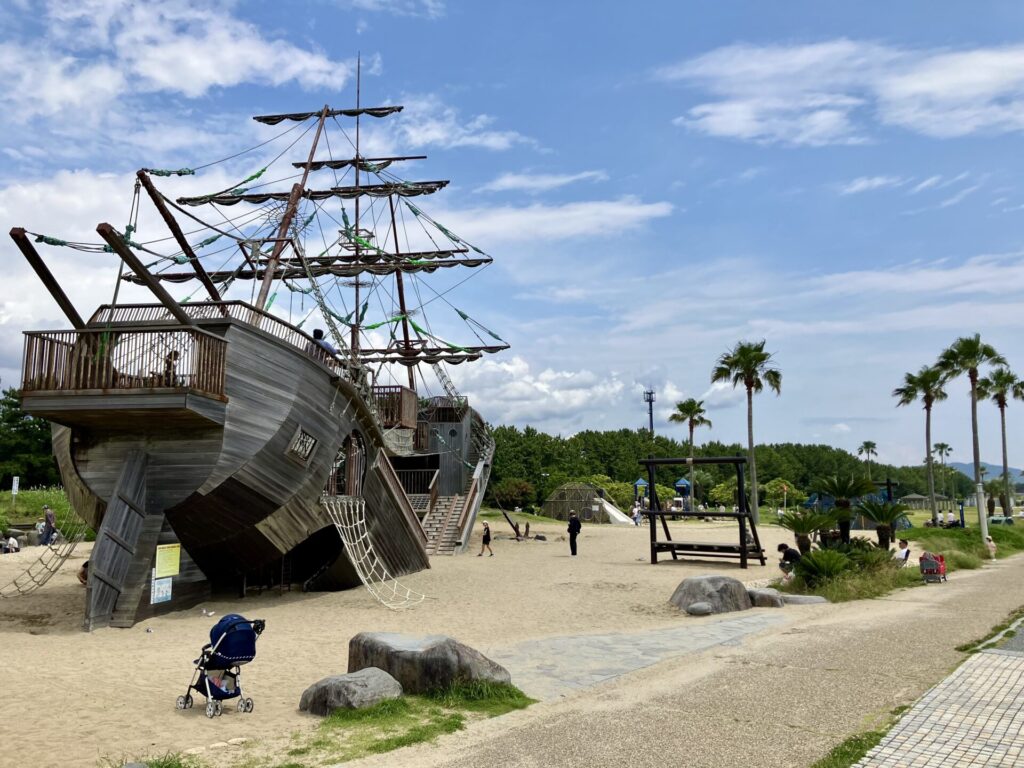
397	406
417	480
98	359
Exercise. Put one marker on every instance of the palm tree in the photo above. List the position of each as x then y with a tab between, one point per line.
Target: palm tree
844	489
1001	386
748	364
803	523
943	451
886	516
966	355
867	450
927	386
692	413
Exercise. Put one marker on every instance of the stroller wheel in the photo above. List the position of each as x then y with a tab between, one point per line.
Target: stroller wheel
188	701
241	705
248	705
220	709
180	703
211	709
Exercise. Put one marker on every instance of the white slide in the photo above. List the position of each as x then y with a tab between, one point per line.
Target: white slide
615	515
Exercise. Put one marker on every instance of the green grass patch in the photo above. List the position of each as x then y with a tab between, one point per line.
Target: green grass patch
28	509
858	585
971	647
848	752
348	734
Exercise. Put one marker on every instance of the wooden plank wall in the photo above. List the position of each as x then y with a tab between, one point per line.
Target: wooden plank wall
116	542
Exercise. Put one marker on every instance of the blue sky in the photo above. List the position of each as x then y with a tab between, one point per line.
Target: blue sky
840	179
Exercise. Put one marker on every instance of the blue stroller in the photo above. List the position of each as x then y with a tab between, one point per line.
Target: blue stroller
217	675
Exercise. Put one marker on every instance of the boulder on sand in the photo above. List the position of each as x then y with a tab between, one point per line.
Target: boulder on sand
424	663
699	609
766	598
355	690
722	593
804	599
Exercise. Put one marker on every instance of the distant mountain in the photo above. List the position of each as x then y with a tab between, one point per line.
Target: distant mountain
994	470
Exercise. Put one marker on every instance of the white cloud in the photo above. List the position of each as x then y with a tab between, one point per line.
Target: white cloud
534	183
840	428
427	121
928	183
509	391
868	183
102	51
532	223
960	196
722	394
430	8
830	92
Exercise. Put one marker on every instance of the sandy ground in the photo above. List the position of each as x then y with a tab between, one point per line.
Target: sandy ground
110	693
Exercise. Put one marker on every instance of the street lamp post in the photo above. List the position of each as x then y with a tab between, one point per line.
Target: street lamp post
649	398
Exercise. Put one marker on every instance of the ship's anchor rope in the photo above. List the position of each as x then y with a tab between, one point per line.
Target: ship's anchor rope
348	513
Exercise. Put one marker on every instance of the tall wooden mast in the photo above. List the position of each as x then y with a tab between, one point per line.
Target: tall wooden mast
289	215
354	344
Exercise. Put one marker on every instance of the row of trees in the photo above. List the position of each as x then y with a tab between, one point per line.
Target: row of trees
25	450
966	356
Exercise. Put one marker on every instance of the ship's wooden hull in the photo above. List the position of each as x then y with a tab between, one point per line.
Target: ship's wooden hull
236	495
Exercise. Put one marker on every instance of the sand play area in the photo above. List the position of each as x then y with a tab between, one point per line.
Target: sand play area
77	699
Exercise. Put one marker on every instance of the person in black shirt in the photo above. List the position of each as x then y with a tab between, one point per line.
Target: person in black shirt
790	557
574	530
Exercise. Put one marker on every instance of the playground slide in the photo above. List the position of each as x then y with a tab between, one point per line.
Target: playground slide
615	516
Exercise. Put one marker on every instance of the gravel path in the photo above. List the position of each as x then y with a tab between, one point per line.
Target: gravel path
780	698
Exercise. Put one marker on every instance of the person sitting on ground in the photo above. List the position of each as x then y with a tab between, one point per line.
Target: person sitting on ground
9	545
83	574
903	553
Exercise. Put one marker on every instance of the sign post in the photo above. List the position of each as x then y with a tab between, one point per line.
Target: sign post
14	492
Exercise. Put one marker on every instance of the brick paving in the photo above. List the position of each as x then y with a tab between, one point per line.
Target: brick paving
975	717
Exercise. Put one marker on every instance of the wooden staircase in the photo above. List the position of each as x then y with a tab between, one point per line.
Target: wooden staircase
442	525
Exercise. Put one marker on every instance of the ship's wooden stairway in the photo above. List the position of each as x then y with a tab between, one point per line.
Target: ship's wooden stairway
442	525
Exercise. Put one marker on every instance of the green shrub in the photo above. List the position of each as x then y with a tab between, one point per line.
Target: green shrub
871	559
820	566
957	560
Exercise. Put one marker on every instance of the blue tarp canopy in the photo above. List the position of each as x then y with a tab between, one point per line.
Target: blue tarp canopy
640	483
682	481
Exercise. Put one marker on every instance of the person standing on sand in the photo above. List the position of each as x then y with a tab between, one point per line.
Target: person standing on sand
49	525
487	541
574	530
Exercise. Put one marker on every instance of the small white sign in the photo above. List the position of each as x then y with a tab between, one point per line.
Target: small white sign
160	592
14	485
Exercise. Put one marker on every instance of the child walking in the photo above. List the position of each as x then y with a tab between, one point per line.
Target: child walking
487	541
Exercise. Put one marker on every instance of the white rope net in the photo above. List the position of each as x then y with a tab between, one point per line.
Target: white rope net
49	562
348	513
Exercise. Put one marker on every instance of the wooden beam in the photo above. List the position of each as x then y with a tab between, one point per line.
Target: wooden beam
114	240
179	236
19	236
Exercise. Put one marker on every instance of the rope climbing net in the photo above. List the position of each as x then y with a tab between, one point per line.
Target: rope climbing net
348	514
50	561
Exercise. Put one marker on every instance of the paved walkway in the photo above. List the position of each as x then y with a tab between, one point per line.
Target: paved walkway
555	666
975	717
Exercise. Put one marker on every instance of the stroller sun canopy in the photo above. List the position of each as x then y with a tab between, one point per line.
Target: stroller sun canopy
232	641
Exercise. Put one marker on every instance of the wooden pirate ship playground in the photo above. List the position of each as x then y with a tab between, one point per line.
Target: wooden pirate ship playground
212	442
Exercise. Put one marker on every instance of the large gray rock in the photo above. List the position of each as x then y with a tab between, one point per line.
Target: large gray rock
700	609
355	690
425	663
723	593
803	599
766	598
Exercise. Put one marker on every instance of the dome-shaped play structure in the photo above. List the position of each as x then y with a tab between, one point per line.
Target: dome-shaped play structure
586	500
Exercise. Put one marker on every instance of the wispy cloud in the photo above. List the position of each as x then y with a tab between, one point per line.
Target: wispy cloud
428	121
535	183
868	183
928	183
960	196
832	92
429	8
